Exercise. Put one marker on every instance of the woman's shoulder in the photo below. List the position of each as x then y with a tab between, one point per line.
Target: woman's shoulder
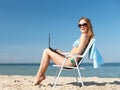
85	36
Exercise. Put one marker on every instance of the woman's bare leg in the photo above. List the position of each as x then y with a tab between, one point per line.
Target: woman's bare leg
47	56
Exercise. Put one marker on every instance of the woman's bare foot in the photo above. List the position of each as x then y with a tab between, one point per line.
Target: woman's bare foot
37	81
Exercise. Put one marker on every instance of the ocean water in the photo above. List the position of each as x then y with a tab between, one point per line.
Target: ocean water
108	70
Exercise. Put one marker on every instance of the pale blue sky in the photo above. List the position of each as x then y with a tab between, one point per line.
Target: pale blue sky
25	25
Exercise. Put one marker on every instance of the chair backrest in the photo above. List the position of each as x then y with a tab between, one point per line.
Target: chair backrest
87	50
89	46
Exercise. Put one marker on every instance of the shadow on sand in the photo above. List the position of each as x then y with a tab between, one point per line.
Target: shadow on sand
95	83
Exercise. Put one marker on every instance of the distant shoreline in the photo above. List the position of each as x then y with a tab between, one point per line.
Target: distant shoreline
53	63
106	70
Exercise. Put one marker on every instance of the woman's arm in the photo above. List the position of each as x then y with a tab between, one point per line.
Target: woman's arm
84	40
57	51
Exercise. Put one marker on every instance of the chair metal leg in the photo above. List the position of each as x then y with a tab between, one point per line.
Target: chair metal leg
76	77
55	81
80	76
61	68
78	69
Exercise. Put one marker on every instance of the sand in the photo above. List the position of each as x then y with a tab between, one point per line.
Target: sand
14	82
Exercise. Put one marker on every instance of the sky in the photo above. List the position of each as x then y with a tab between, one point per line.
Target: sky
26	24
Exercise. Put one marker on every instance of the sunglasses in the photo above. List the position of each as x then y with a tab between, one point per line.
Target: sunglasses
84	24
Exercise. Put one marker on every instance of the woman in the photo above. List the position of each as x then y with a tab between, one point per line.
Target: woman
78	48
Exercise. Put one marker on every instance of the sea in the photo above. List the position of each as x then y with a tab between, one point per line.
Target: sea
107	70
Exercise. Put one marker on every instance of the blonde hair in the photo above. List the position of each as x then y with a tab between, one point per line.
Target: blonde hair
89	24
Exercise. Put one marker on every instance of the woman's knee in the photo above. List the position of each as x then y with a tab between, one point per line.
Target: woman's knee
46	50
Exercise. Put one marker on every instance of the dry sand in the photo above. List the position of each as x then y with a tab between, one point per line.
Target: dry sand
14	82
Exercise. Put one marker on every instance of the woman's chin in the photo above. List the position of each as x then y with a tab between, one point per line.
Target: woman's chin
83	31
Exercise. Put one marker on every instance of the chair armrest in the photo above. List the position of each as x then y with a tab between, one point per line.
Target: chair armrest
66	67
71	55
67	53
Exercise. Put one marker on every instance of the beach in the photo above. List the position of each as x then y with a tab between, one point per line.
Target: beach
19	82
